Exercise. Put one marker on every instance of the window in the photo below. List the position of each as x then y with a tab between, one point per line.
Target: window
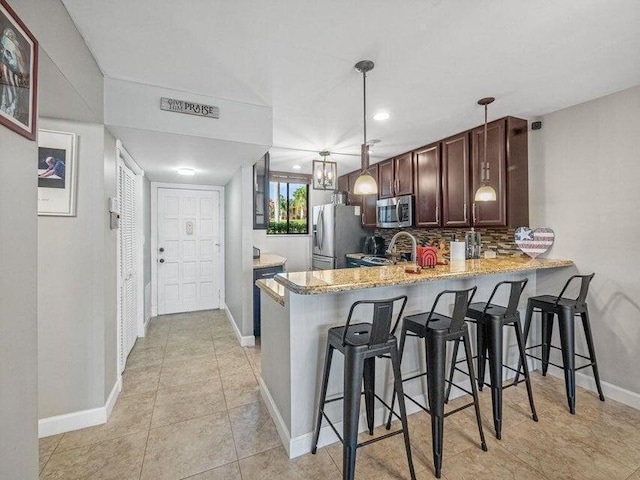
288	204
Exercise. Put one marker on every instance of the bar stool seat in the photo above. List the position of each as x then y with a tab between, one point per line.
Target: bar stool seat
437	329
490	320
361	344
566	309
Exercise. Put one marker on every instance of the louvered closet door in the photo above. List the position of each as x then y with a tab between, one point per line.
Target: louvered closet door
128	274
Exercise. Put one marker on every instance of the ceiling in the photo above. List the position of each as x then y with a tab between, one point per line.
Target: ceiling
434	59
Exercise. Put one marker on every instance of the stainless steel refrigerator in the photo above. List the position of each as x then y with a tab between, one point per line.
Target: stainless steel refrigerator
337	230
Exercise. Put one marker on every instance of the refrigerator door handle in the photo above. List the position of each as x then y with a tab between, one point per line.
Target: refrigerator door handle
320	229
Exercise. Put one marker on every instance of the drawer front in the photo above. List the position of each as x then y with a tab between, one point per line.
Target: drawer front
267	272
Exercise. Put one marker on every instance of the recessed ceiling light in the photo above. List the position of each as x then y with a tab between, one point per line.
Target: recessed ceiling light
296	167
186	171
381	116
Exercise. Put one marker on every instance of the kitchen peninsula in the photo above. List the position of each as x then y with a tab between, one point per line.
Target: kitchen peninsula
299	308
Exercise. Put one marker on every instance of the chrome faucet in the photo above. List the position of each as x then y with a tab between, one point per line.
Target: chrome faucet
414	245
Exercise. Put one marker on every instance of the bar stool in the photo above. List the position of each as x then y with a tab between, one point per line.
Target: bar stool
566	309
437	330
490	320
360	344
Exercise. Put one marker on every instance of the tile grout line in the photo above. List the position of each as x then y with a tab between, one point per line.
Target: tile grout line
155	399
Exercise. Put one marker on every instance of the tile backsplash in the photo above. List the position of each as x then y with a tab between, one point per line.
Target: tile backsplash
498	239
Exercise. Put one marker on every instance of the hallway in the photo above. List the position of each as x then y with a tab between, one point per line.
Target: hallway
190	408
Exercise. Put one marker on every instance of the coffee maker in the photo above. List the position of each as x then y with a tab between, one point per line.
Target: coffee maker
374	245
472	244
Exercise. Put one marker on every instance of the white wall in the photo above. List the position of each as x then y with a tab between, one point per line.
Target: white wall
584	169
76	281
18	309
238	249
146	251
295	248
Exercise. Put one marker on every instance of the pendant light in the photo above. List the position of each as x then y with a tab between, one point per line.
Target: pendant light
365	184
486	193
324	173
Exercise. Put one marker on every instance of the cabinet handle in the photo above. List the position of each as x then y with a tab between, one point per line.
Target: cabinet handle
465	212
437	212
397	186
474	212
391	187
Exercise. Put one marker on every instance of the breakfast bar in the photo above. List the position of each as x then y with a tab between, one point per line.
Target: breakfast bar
299	308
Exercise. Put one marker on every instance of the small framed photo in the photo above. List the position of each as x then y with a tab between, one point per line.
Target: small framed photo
57	173
18	74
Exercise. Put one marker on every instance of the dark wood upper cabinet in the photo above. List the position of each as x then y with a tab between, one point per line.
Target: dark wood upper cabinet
385	179
489	214
403	174
455	181
507	158
343	183
354	199
369	204
395	176
428	186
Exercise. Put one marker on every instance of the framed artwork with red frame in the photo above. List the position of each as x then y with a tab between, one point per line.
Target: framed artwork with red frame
18	74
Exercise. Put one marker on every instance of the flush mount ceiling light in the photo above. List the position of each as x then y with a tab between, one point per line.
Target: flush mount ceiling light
486	193
190	172
296	167
365	184
381	116
325	173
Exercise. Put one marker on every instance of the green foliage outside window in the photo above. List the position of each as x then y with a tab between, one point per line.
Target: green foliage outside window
288	212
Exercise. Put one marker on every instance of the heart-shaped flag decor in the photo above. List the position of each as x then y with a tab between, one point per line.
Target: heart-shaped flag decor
534	242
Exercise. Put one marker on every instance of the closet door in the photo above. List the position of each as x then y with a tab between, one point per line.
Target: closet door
128	261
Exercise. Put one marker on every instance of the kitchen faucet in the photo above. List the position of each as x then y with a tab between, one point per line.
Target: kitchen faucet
414	245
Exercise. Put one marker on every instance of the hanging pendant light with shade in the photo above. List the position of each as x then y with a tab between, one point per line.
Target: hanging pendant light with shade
486	193
365	183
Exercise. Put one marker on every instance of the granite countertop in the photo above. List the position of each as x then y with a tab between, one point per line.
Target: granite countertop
330	281
272	288
268	260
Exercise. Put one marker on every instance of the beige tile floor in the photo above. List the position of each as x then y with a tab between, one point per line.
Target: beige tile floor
190	409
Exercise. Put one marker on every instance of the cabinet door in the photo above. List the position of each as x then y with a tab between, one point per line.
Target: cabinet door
343	183
489	214
455	181
261	193
354	199
403	174
428	191
369	204
385	179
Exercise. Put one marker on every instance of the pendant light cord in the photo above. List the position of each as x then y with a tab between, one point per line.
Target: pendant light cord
364	102
484	169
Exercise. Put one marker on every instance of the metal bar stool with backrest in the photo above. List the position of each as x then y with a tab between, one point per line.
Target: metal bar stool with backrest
566	309
438	329
490	320
360	344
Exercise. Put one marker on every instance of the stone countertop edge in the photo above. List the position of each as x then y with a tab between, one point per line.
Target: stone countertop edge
331	281
268	260
272	288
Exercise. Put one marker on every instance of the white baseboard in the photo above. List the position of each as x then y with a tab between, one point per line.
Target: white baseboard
613	392
82	419
245	341
301	445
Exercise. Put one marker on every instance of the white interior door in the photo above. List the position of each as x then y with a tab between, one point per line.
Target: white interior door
188	250
128	261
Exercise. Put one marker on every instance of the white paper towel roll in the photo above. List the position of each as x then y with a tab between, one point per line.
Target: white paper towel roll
457	251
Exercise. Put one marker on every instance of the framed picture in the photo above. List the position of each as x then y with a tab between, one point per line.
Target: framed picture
18	74
57	173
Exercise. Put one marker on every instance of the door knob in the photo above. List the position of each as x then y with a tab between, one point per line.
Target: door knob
161	249
161	260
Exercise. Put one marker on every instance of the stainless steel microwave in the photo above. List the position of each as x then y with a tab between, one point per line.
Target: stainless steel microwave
394	212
